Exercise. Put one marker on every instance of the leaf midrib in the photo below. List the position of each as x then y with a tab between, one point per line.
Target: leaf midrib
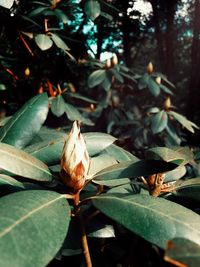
29	214
155	211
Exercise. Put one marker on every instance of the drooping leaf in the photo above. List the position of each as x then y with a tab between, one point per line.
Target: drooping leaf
21	163
182	252
50	151
96	77
58	106
155	219
43	41
132	169
59	42
92	9
189	125
6	3
26	122
153	87
33	227
159	121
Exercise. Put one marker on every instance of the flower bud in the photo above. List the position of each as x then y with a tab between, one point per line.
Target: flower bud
27	72
75	160
108	64
167	104
150	68
158	80
114	60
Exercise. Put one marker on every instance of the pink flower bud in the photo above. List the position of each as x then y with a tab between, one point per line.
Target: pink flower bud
75	160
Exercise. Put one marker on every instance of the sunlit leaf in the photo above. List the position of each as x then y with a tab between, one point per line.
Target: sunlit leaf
6	3
159	122
96	78
92	9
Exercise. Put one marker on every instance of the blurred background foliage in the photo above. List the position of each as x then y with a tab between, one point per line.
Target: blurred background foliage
123	67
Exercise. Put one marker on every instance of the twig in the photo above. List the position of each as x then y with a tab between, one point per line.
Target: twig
84	242
26	45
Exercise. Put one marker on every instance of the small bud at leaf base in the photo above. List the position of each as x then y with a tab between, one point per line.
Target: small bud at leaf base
150	68
27	72
114	60
158	80
75	160
167	104
108	63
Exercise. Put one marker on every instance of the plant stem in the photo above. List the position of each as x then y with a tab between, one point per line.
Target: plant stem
84	241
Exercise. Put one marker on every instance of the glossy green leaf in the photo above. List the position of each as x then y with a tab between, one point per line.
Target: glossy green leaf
96	77
21	163
26	122
188	189
58	106
43	41
59	42
6	3
92	9
33	227
159	122
153	87
184	121
50	151
155	219
182	252
132	169
126	189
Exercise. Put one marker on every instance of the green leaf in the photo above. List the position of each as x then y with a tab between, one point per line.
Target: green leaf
92	9
58	106
133	169
59	42
21	163
182	252
6	3
2	87
43	41
96	77
184	121
188	189
50	151
7	180
166	154
159	122
175	174
73	114
153	87
155	219
106	84
117	75
119	153
166	89
33	227
143	81
26	122
100	162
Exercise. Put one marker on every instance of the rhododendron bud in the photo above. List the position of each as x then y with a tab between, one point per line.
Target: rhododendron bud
150	68
75	160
